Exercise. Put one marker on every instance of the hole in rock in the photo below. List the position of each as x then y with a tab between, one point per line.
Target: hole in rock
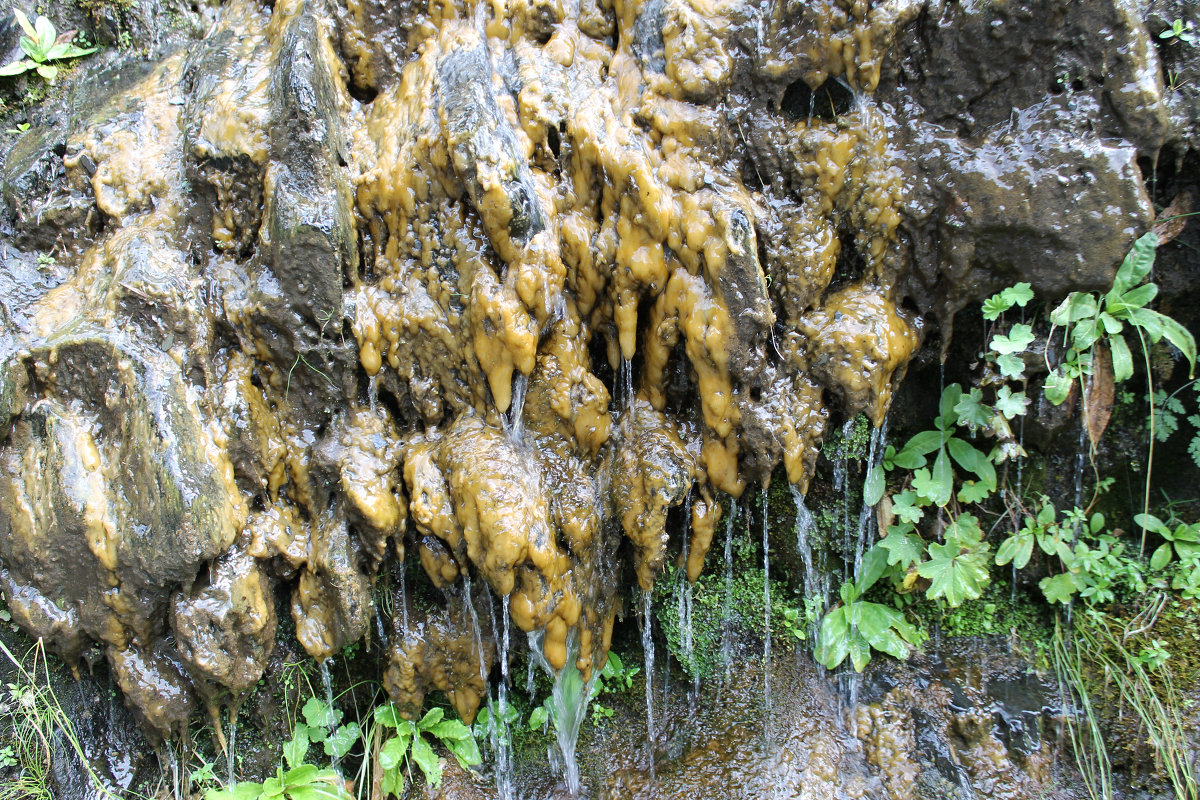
829	101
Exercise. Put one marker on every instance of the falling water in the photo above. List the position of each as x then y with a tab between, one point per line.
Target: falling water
648	651
475	626
866	517
805	527
841	484
727	604
625	381
504	769
379	628
766	620
569	699
232	743
373	394
327	681
514	422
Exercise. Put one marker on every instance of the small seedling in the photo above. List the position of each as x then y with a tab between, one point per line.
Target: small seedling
42	44
1181	31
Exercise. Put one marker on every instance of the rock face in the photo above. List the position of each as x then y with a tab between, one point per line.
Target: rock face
490	287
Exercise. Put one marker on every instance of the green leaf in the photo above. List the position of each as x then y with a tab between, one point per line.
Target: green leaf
1060	588
387	716
1141	296
950	396
16	68
923	443
1122	359
903	548
431	718
1151	523
973	492
450	729
971	410
325	785
1011	404
243	790
860	651
1019	293
874	564
833	638
956	573
1161	557
466	751
392	783
994	306
47	71
1058	387
427	760
873	485
23	21
875	625
298	775
936	486
318	715
1077	306
1017	549
1019	338
273	787
1137	263
1011	366
296	748
45	33
972	460
905	506
391	755
340	741
67	50
537	718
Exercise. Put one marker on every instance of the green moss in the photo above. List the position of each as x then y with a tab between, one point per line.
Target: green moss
996	613
852	447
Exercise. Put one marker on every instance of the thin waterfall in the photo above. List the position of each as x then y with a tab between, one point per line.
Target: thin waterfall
504	766
569	699
866	518
513	422
727	602
327	682
648	654
475	627
805	528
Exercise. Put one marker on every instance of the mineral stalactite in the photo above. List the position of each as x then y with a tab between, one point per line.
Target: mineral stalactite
487	287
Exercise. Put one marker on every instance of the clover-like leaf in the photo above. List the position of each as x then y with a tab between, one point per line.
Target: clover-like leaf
1017	340
903	546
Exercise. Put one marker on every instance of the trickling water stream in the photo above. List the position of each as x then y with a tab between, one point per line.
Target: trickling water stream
484	291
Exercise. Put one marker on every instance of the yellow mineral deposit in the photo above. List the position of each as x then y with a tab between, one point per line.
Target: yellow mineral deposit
547	194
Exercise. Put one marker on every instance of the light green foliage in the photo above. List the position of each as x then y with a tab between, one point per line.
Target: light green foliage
1181	31
857	626
958	569
42	44
1088	319
302	782
407	743
1182	546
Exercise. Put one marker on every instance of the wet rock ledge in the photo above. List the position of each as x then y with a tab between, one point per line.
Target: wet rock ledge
320	289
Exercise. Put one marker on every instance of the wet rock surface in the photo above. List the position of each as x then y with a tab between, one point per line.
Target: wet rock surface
318	288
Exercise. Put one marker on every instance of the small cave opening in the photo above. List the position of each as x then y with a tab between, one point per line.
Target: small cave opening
827	102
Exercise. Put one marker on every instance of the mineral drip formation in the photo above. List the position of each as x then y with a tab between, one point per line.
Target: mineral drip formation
484	287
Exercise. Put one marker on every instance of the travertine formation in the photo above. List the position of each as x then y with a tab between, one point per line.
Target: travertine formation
487	286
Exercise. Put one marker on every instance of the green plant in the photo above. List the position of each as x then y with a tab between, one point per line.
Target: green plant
21	127
407	744
1181	31
1088	319
42	44
32	721
857	626
1182	542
